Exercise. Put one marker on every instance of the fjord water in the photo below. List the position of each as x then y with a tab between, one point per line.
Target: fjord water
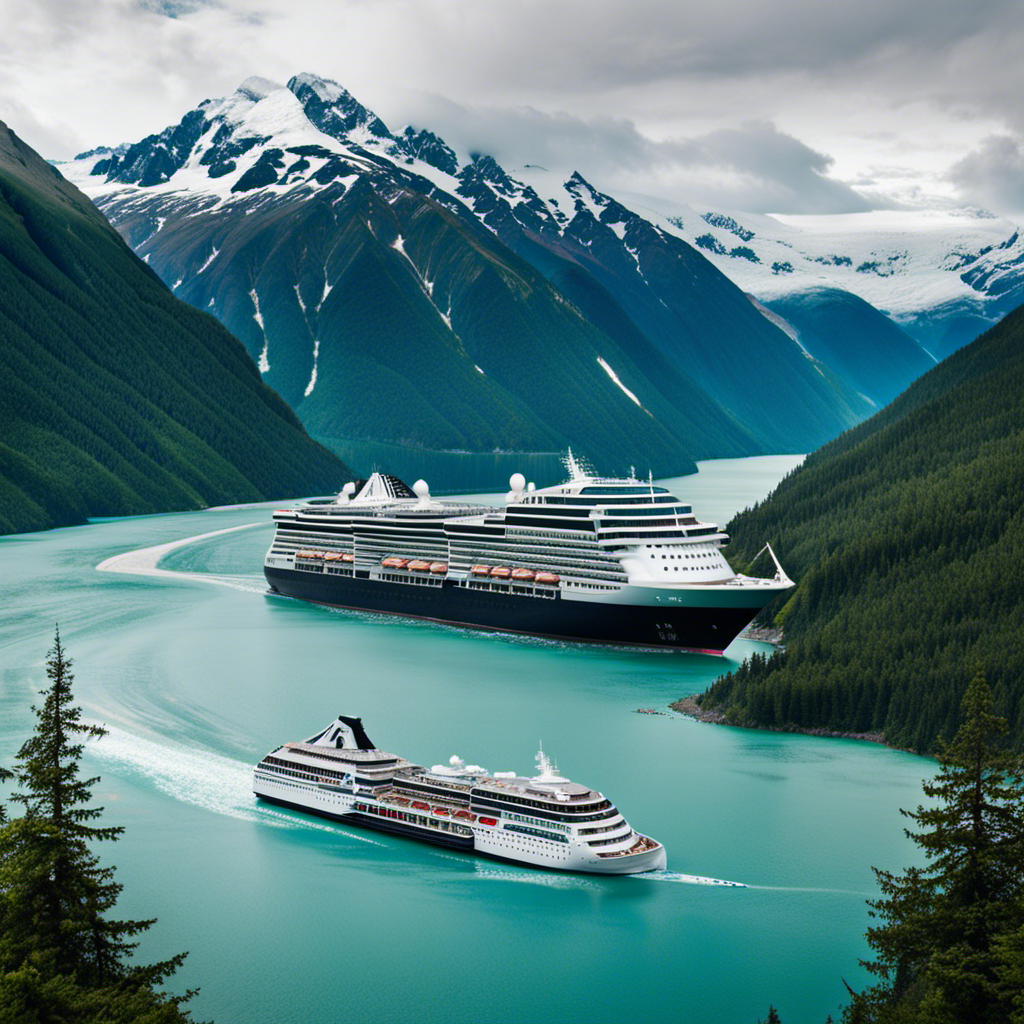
199	673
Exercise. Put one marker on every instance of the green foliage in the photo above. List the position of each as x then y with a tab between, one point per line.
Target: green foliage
117	398
906	537
949	939
62	956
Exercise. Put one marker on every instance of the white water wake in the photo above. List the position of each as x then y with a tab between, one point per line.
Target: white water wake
674	876
145	561
216	783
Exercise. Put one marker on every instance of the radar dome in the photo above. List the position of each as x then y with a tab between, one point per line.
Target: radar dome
420	489
517	482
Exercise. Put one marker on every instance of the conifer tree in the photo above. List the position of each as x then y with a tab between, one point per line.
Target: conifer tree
61	956
944	947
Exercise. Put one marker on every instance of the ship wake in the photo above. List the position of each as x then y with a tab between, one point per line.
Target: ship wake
211	781
145	562
674	876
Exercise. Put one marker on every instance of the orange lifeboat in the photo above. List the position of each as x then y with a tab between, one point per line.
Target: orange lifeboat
347	557
524	575
438	568
489	821
418	565
332	556
547	577
481	570
501	572
465	815
442	811
420	805
394	562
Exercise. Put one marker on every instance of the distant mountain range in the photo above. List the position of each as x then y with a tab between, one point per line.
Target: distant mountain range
394	291
118	398
906	538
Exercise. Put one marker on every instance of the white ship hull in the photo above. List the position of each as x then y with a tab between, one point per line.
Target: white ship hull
506	839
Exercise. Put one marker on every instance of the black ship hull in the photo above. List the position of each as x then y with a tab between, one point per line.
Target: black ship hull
378	824
703	629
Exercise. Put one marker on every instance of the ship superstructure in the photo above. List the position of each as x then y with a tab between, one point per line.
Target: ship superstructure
543	821
592	559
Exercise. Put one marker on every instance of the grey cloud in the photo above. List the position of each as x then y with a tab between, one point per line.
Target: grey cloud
753	167
993	175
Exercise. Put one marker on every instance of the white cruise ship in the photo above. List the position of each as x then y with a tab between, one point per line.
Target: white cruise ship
592	559
544	821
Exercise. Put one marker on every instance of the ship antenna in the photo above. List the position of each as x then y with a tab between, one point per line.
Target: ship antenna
650	483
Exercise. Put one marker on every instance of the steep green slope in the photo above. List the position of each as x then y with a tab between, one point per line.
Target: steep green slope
389	318
117	398
855	340
906	535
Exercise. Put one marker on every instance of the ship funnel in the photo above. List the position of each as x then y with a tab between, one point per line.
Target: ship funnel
344	733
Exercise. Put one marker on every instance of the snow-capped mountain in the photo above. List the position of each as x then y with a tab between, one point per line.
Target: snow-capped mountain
393	290
944	276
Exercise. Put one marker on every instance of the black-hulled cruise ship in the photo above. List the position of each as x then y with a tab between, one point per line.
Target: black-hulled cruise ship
594	559
544	820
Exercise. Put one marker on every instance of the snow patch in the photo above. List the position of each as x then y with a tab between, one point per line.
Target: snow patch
312	379
264	362
209	260
615	379
298	296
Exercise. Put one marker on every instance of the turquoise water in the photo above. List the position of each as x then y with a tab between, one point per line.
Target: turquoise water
293	920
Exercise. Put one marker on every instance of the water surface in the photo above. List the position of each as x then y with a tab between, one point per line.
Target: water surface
290	919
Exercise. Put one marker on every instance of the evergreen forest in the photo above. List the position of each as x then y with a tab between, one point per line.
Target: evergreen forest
906	537
117	398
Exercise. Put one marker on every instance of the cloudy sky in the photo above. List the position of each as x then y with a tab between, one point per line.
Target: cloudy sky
793	106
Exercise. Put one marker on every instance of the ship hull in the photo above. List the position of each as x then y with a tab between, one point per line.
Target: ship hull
707	627
496	844
393	828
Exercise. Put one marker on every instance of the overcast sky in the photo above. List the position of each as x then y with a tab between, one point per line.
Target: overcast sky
793	106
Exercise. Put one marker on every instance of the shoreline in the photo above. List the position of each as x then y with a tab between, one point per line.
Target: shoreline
688	706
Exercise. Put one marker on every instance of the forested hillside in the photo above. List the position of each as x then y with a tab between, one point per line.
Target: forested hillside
118	398
906	536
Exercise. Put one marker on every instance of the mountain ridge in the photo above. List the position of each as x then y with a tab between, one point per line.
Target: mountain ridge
118	398
311	142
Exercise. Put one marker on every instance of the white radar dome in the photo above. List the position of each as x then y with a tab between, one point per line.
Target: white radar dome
517	482
420	489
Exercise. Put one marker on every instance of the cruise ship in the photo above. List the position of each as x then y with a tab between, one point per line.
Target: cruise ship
593	559
542	821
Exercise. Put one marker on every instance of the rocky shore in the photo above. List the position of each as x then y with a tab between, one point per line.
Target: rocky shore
765	634
688	706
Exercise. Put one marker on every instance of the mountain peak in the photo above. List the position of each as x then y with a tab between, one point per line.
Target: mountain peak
334	110
325	89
